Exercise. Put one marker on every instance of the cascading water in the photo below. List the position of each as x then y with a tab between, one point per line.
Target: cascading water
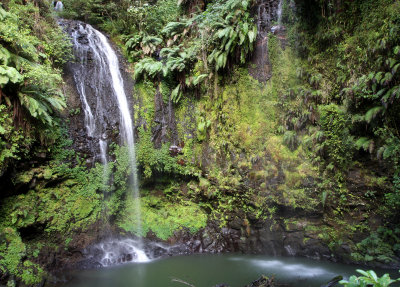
89	85
279	12
102	94
268	19
126	120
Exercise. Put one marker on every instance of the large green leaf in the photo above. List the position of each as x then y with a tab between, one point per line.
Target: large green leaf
9	74
252	34
199	79
4	56
3	14
372	113
176	94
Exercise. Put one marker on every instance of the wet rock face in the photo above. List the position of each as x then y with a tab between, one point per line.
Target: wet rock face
268	237
88	75
265	13
165	129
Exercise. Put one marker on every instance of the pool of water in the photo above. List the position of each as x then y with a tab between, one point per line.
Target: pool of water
209	270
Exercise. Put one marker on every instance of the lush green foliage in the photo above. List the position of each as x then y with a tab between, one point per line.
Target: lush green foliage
369	278
335	128
161	217
224	33
32	50
343	108
363	53
321	137
12	254
13	143
28	55
232	31
381	246
159	161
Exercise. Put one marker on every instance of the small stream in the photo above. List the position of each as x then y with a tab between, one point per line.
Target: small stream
235	270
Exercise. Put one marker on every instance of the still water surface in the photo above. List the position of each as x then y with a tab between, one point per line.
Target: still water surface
209	270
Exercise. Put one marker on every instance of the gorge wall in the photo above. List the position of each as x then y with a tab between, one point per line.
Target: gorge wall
258	156
260	194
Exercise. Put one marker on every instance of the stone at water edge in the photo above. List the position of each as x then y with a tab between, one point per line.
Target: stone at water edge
333	281
263	281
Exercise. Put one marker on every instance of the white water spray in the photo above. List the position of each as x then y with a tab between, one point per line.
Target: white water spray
105	84
121	251
126	120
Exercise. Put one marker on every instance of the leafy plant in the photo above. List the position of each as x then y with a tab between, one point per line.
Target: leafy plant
23	58
148	66
369	278
232	30
290	139
337	139
149	44
202	127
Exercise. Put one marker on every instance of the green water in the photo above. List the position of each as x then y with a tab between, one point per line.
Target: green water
209	270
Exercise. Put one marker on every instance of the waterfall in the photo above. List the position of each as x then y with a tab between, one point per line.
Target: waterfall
101	89
279	12
86	50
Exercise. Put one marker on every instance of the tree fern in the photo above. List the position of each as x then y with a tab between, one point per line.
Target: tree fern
148	66
35	83
173	64
198	79
175	28
149	44
170	52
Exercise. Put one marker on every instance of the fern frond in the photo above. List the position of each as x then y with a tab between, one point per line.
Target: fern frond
372	113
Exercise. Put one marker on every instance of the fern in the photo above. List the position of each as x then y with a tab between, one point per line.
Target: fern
372	113
174	64
365	144
149	44
176	94
233	30
148	66
198	79
174	28
41	105
27	77
170	52
9	74
133	42
290	140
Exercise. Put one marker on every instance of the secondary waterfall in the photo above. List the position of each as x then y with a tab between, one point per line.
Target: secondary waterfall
101	90
279	12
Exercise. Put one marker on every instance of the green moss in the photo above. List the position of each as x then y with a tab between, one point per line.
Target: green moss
69	205
153	160
47	174
245	115
145	93
185	114
32	273
162	217
12	250
12	253
25	177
